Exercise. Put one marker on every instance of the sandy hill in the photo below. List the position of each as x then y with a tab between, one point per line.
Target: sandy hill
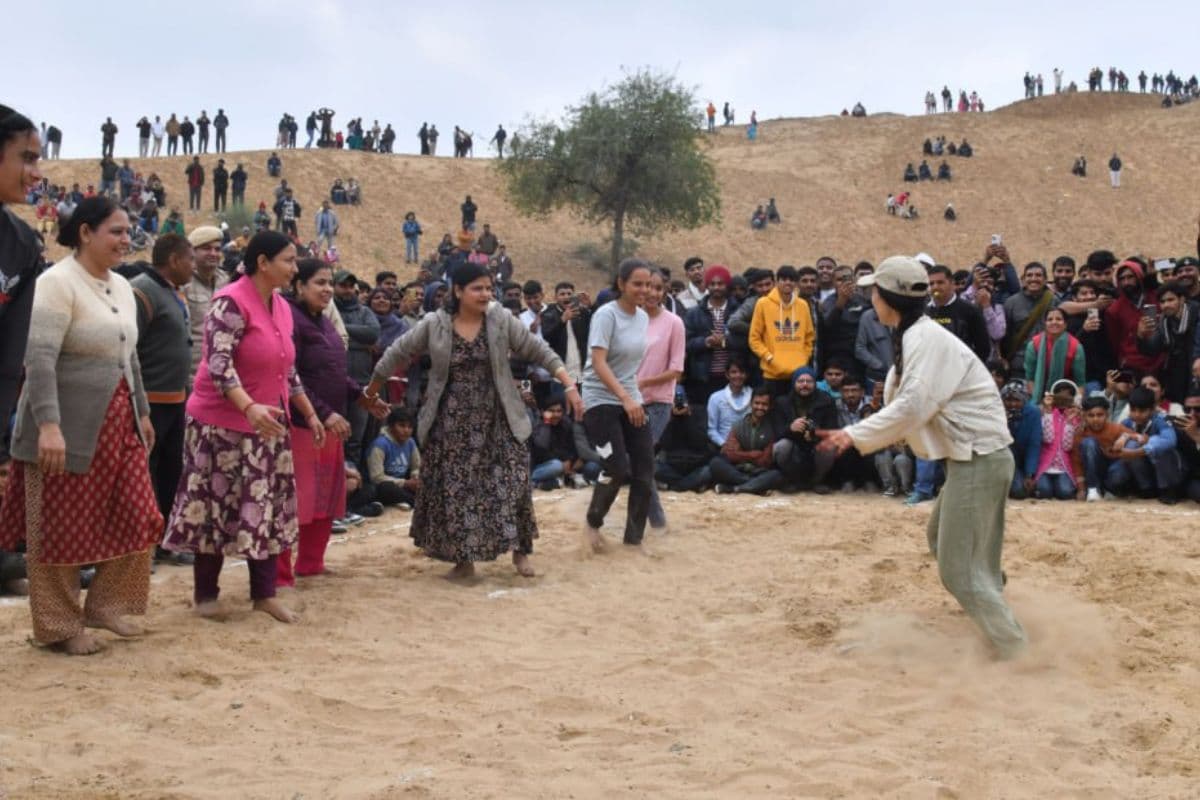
829	175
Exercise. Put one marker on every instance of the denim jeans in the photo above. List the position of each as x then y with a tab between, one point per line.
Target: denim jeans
1158	469
410	249
1098	469
658	417
546	471
895	470
929	475
1017	490
1055	485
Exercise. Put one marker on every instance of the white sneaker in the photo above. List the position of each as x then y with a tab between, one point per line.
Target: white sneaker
1093	495
578	481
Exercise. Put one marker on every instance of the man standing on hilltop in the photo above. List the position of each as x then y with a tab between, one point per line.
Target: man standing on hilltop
220	122
433	137
143	126
1114	171
202	123
239	179
195	181
947	98
220	185
108	137
423	137
159	130
1058	80
711	113
498	140
187	130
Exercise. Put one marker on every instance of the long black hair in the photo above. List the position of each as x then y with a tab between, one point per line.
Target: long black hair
13	124
911	309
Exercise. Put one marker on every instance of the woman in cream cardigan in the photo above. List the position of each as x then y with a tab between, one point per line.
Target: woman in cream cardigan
80	491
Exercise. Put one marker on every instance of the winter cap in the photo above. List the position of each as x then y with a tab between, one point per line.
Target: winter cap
1064	383
902	275
204	235
1187	261
804	371
717	271
1015	389
343	276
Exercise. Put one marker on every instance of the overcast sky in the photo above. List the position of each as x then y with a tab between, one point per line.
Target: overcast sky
476	64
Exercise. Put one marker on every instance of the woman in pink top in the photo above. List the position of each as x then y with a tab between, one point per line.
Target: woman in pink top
661	367
237	496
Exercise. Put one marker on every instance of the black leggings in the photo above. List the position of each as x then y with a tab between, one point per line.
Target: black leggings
631	461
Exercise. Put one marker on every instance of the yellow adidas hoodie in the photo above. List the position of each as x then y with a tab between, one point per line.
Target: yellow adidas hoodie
782	336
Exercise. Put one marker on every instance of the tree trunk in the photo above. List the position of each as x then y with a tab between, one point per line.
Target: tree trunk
618	240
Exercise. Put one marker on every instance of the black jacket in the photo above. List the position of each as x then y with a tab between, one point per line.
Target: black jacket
965	321
555	332
698	326
20	264
821	410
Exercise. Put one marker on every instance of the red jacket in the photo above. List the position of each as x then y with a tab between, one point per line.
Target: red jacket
1121	321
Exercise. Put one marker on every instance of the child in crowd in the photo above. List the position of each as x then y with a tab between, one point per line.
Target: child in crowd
1149	458
394	462
1100	437
1060	473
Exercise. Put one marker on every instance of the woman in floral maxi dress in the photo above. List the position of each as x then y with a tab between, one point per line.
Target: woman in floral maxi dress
474	503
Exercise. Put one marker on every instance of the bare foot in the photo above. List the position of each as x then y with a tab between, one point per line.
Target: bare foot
210	609
461	572
524	568
81	644
277	610
594	539
118	625
641	549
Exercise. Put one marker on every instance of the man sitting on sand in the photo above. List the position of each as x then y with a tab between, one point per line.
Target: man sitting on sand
1080	167
910	174
924	172
745	463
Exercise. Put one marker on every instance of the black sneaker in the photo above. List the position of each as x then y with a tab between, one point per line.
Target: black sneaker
372	509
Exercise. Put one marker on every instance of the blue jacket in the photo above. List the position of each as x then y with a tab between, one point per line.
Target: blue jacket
1026	431
411	229
1160	431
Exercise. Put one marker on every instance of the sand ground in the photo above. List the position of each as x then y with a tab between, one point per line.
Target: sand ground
770	647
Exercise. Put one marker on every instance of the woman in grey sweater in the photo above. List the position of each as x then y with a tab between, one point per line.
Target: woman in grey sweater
474	503
80	491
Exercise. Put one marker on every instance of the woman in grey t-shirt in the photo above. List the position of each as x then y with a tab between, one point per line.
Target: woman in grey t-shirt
614	418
